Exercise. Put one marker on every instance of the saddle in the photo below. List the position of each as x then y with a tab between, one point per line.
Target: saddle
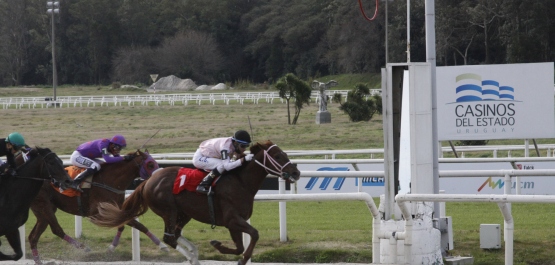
188	179
73	171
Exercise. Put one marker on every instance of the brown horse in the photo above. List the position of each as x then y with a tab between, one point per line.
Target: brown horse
17	192
232	202
108	185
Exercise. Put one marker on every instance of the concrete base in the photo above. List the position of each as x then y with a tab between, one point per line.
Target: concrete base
459	260
323	117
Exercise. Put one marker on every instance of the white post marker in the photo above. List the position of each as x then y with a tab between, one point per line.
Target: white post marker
154	77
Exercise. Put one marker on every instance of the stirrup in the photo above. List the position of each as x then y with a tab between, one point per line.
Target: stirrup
204	190
76	187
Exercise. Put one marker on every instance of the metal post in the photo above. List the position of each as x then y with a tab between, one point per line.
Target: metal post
408	31
54	71
53	9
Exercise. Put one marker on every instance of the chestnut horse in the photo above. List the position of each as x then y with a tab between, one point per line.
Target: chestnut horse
233	201
17	192
108	185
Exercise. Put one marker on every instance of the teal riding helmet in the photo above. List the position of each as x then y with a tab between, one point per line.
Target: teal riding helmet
15	139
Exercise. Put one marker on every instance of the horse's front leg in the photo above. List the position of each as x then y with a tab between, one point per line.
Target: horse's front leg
15	243
236	235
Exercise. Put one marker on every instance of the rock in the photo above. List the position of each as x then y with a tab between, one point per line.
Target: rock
173	82
202	87
220	86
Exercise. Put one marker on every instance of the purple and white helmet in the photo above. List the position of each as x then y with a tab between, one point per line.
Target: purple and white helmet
119	140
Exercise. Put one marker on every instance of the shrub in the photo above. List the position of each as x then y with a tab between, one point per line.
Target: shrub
361	107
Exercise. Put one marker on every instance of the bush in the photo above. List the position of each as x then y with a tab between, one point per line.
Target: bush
360	106
336	98
470	142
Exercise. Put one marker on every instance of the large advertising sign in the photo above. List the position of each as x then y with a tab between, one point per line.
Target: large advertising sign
529	185
483	102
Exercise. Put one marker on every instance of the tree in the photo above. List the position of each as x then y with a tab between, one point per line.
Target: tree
190	54
484	16
291	87
134	65
360	107
23	40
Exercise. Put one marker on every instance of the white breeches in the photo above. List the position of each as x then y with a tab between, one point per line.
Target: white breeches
79	160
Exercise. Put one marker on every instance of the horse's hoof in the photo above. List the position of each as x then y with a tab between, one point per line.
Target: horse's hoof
215	243
164	247
240	262
111	248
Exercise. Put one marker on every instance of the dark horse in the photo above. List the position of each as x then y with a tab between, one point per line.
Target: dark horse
108	185
233	202
17	192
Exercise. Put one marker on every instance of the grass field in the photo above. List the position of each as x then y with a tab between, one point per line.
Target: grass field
317	231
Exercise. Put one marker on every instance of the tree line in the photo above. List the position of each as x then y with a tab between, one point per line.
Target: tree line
104	41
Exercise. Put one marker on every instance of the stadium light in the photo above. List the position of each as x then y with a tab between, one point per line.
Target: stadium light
53	8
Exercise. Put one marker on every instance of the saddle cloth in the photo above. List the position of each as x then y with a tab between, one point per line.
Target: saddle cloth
188	179
73	171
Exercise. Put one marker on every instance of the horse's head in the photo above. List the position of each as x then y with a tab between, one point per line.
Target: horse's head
53	165
275	161
145	162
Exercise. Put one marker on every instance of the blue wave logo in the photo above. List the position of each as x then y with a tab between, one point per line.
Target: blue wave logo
471	87
327	180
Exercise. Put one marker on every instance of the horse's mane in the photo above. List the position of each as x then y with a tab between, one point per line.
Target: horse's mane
260	146
37	150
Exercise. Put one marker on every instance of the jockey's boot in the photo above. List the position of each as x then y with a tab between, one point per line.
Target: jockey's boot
204	186
6	170
83	175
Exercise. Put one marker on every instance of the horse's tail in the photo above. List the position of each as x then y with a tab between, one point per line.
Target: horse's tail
110	215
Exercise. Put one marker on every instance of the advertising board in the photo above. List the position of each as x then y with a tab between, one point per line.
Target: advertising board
484	102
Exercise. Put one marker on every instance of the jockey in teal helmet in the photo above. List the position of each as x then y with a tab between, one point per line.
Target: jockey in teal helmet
9	146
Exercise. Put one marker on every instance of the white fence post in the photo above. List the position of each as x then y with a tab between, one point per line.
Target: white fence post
78	226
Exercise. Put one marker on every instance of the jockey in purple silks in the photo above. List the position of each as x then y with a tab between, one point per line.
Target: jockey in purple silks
87	156
219	155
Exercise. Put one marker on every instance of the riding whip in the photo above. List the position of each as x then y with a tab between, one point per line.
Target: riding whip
250	125
149	139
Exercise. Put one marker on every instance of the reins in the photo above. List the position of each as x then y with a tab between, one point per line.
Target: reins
114	190
273	162
41	167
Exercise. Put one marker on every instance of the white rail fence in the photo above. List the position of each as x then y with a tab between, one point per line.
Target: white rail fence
157	99
502	200
546	151
282	197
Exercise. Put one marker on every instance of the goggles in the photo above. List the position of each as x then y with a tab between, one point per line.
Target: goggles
117	147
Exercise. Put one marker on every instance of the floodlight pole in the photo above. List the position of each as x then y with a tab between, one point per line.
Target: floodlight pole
53	9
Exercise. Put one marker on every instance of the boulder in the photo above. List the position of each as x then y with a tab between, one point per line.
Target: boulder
220	86
173	82
202	87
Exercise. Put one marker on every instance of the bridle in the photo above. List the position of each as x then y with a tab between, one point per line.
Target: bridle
43	165
278	169
143	172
